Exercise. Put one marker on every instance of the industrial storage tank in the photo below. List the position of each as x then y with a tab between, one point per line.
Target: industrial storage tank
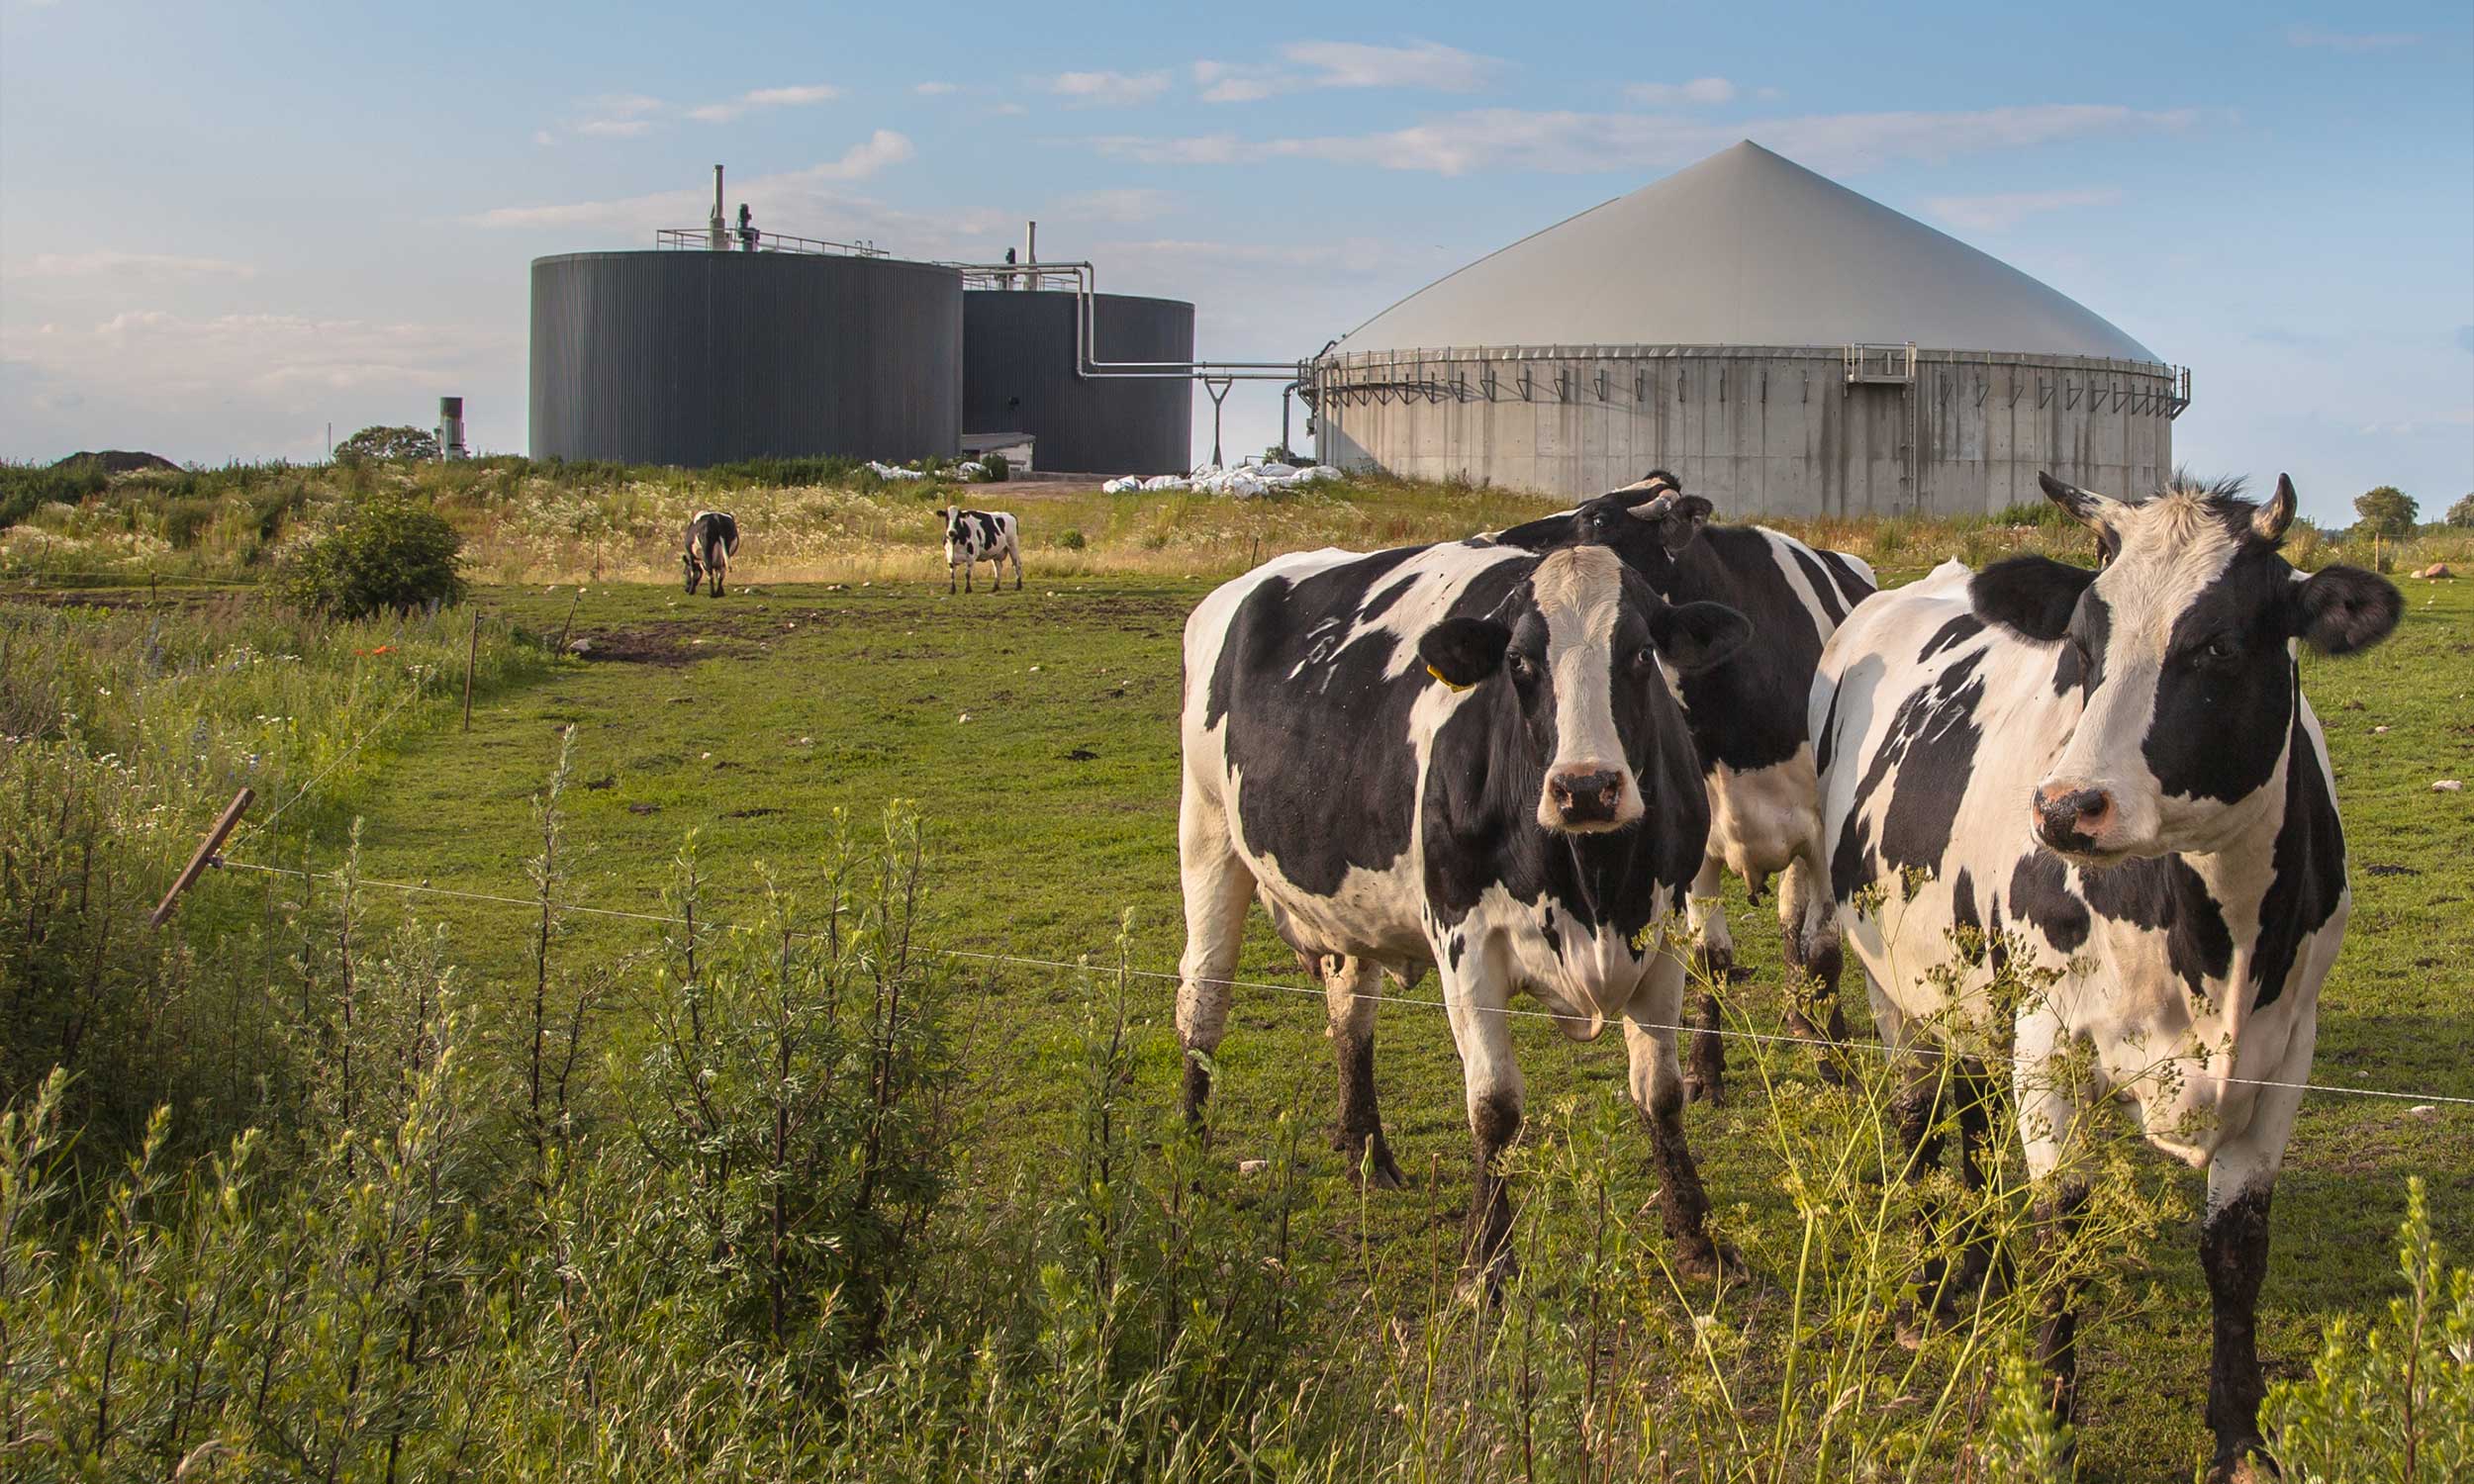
1781	344
1019	360
697	357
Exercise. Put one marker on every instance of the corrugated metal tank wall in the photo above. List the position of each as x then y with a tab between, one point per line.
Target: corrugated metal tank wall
1759	430
1017	376
696	358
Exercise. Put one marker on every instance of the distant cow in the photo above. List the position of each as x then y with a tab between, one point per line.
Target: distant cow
713	538
976	536
2109	780
1464	756
1745	713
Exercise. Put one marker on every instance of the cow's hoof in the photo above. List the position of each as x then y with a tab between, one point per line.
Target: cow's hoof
1698	1089
1706	1262
1378	1172
2247	1463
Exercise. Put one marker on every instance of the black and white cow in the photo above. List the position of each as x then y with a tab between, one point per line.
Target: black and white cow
2112	774
976	536
1745	713
1747	719
1463	756
713	538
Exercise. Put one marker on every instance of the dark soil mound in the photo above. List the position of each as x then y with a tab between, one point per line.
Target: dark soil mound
118	461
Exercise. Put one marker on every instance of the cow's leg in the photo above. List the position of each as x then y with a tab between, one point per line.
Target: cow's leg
970	569
1217	888
1808	925
1474	1000
1348	987
2052	1102
1713	963
1657	1086
2233	1251
720	571
1018	567
949	574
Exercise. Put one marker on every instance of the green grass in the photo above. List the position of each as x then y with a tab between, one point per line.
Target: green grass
1052	808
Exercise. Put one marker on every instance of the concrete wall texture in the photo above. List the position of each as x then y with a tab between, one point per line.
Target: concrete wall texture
1759	430
697	358
1018	376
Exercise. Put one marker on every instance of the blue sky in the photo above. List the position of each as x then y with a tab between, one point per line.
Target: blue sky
225	226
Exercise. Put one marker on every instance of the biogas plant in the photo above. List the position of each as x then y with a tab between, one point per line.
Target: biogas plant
1783	344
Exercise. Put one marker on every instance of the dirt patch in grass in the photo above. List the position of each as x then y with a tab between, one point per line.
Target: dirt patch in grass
669	645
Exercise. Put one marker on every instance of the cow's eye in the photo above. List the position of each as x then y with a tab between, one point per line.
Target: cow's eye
1644	659
1522	667
2218	648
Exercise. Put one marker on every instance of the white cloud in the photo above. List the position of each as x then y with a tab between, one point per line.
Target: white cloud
1119	205
2340	40
1700	90
262	354
1583	143
1109	89
103	262
1421	64
775	197
2004	209
1346	64
935	89
748	102
545	138
613	128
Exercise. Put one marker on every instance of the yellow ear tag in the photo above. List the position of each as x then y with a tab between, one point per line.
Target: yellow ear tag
1446	684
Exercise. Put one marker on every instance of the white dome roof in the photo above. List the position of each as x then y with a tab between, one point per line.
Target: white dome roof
1743	248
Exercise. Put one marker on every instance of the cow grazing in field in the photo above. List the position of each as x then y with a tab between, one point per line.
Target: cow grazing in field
2108	784
976	536
1745	713
1463	756
713	538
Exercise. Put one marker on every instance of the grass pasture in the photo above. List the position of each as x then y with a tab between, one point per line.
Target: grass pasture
1034	734
1052	808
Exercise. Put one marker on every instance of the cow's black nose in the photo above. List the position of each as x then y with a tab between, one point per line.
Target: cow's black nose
2070	818
1584	798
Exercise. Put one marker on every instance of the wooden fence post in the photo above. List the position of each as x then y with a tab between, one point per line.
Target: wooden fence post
206	853
472	651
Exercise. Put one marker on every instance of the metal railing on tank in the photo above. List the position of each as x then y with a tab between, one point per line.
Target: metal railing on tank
701	240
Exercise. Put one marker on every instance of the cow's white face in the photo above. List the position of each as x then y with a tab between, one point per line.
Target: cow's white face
2182	650
1574	655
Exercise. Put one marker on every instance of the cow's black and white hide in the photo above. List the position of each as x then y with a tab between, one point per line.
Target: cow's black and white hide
713	538
1463	756
1748	723
976	536
2109	779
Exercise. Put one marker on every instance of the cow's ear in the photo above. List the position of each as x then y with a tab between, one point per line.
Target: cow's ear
1461	652
2340	609
1693	636
1678	516
2031	596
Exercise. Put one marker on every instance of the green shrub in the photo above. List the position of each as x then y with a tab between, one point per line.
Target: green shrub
1071	539
2394	1403
388	554
2461	514
998	469
417	445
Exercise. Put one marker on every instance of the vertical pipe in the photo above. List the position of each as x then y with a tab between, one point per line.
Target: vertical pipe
717	237
1030	250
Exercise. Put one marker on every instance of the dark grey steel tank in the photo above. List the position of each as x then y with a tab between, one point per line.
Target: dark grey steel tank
1017	376
697	358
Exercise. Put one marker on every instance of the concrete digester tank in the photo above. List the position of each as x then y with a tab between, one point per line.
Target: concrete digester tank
1019	375
1783	344
701	358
